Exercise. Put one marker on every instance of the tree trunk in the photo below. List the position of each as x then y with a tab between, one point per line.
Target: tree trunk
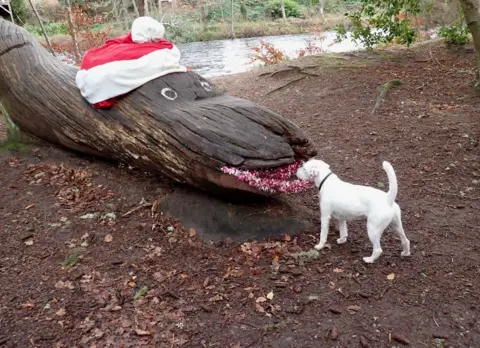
146	11
204	15
321	4
73	33
138	7
471	10
243	10
179	124
232	16
39	22
282	5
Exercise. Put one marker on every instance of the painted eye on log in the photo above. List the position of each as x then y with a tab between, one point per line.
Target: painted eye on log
206	86
169	93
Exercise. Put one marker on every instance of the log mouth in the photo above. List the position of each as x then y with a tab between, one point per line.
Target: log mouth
272	181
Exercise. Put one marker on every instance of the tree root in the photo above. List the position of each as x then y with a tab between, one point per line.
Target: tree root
285	85
383	92
299	69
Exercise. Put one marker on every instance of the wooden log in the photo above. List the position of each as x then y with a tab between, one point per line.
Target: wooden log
180	125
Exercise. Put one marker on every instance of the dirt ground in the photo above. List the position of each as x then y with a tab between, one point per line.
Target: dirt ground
77	272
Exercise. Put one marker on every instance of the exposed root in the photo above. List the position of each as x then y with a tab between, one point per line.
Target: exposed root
285	85
295	68
302	70
383	92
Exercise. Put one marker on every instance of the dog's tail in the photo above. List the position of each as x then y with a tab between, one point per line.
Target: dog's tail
392	182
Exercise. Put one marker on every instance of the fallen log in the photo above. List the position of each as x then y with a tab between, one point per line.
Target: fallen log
180	125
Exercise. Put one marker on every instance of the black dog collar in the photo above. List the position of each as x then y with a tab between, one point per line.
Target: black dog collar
323	181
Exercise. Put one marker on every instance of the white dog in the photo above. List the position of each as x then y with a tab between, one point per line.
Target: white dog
346	202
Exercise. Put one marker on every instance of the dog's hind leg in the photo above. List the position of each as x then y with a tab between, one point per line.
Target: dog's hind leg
374	234
342	227
325	220
398	228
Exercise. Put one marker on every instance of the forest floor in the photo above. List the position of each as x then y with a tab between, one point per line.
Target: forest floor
81	269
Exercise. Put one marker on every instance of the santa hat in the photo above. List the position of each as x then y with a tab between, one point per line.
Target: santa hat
146	29
125	63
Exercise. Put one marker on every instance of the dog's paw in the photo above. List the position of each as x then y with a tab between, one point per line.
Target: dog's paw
406	249
369	259
319	246
342	240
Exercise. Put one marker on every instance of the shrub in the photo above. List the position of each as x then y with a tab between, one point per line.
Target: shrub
20	10
53	28
267	54
292	9
313	47
243	10
89	32
456	34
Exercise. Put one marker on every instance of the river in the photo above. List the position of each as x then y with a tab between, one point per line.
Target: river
223	57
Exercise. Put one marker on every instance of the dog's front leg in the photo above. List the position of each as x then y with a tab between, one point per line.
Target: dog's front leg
325	220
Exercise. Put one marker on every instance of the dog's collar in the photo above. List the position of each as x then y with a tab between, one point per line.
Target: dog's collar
323	181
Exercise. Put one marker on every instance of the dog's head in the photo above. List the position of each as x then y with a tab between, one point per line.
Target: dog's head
313	170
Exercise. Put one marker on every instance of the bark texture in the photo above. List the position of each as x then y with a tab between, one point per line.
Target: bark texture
179	125
471	10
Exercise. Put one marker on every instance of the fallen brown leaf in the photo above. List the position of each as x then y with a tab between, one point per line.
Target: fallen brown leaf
354	308
65	285
364	342
28	305
98	333
61	312
335	310
334	333
275	264
400	338
216	298
142	332
235	272
259	308
126	323
108	238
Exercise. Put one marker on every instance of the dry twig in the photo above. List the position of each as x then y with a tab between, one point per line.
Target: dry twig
130	212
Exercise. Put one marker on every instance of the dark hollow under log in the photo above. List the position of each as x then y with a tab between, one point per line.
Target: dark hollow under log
187	139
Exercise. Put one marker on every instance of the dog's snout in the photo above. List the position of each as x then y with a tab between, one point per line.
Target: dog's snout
301	173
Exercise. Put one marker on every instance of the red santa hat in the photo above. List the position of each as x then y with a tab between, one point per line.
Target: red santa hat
125	63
